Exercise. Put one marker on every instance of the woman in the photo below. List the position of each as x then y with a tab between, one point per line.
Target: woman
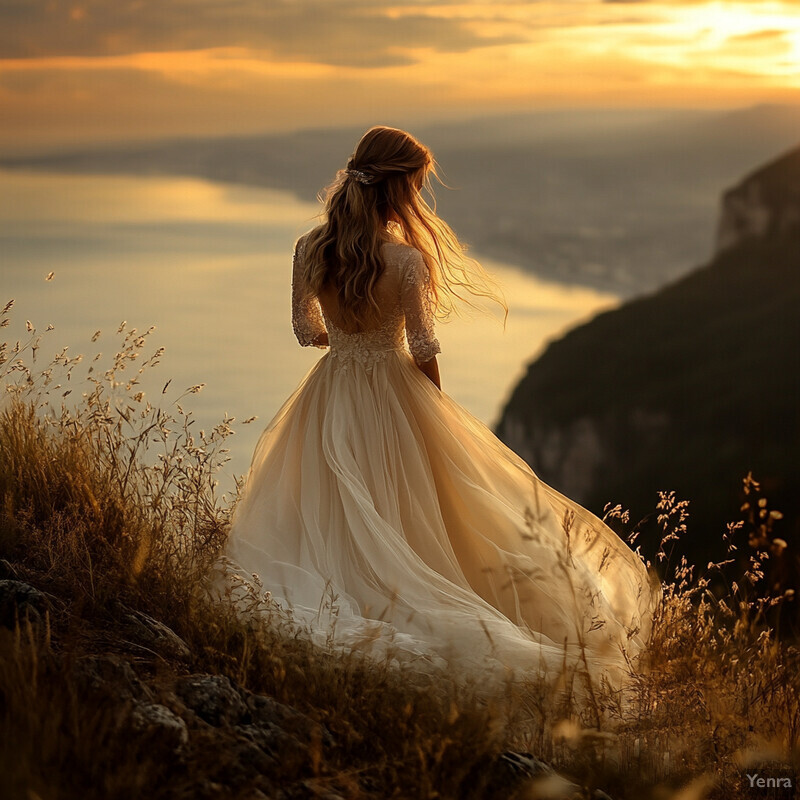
376	508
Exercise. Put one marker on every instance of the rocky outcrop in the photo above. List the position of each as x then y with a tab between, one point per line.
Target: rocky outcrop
20	603
157	722
207	737
577	455
764	203
571	456
687	389
252	737
151	634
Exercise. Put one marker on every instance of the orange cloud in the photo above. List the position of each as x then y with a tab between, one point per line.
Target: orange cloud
758	36
341	32
99	69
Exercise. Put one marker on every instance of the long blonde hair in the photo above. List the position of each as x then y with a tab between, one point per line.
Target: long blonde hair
380	191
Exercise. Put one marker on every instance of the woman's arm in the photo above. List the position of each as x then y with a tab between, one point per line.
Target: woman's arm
307	321
431	369
415	300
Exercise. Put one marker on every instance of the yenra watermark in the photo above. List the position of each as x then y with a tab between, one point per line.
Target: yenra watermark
757	782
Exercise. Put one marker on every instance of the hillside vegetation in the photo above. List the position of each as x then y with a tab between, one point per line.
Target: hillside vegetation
123	675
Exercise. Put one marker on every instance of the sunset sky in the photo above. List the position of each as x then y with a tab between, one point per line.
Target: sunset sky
99	70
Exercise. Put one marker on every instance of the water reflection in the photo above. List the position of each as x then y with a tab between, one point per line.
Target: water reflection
209	265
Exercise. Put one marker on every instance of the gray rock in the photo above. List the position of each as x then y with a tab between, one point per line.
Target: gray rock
307	789
213	698
524	764
541	780
250	760
514	774
156	636
20	602
109	675
266	711
158	722
277	744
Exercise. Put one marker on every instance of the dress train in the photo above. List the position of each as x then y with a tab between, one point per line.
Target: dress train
382	516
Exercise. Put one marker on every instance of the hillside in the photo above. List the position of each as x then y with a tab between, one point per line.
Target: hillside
689	388
129	669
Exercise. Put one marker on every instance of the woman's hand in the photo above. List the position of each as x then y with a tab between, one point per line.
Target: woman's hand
431	369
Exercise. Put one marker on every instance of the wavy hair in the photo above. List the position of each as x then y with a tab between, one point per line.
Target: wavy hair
380	191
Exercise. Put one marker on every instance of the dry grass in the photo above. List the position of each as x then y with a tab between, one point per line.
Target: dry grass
111	504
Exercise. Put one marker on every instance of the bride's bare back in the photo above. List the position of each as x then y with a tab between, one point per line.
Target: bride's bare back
401	293
386	291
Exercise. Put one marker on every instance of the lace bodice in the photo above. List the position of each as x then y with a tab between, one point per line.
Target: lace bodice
403	294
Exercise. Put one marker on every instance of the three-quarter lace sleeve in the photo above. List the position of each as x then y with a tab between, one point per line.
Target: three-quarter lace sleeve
415	299
307	322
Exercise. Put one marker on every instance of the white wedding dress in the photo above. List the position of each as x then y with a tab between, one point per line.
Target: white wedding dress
381	514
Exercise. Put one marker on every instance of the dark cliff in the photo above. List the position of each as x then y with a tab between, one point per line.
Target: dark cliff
686	389
765	203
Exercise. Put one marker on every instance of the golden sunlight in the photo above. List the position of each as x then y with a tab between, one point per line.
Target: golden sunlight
756	40
286	71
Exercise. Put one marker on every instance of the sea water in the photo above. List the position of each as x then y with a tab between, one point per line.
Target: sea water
209	265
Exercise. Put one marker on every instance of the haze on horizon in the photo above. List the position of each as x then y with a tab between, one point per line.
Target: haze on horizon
105	70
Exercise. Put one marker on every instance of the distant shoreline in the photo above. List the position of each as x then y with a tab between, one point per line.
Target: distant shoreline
615	203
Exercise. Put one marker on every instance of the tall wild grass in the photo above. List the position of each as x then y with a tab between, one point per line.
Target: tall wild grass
109	504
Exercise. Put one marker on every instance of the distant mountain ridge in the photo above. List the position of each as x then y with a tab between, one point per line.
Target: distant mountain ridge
689	388
621	200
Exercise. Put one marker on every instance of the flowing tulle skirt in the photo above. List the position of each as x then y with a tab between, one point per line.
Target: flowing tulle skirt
377	510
